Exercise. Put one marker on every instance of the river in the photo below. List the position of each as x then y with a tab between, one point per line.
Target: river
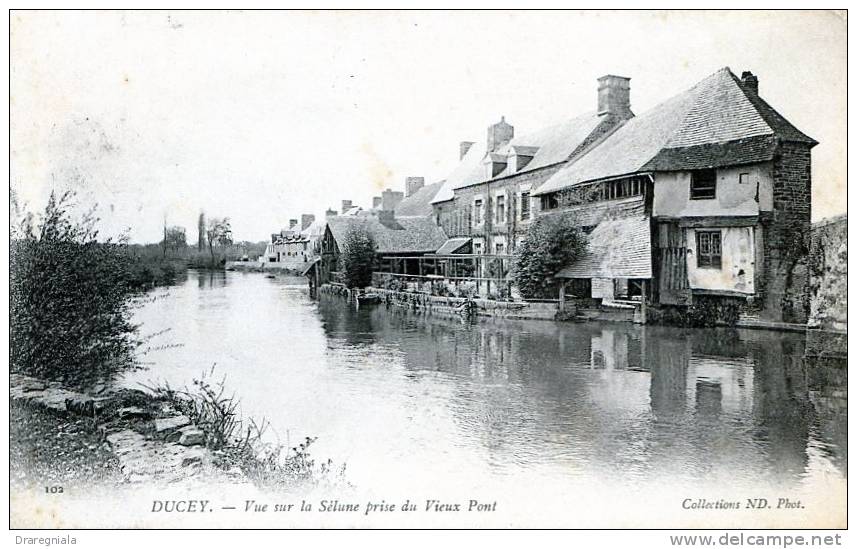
415	404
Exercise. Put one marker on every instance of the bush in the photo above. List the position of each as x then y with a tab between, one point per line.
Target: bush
358	258
712	311
69	299
240	441
552	242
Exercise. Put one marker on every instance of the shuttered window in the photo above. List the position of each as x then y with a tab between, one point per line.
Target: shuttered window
703	184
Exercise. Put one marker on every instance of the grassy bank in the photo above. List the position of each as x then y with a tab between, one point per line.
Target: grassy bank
62	437
46	449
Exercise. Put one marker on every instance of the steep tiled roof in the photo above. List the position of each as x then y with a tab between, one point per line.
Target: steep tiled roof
404	235
419	203
717	122
617	248
552	145
470	170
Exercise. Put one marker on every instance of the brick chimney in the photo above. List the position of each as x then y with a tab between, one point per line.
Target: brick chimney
499	134
390	199
463	147
346	205
292	223
750	81
306	221
376	202
388	219
413	184
614	96
330	213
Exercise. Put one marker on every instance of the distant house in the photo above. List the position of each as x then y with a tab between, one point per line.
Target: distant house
705	196
394	236
288	246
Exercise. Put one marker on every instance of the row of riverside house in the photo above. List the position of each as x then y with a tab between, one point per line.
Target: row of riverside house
703	198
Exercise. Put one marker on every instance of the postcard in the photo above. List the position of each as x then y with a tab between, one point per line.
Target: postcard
428	269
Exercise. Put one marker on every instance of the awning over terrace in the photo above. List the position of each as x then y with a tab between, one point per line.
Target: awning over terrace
452	246
617	248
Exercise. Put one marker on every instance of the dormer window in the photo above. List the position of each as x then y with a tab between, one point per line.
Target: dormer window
703	184
521	156
495	164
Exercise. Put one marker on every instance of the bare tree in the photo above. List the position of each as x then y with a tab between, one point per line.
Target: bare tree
175	238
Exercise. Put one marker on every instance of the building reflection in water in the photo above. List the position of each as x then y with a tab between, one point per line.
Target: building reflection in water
637	401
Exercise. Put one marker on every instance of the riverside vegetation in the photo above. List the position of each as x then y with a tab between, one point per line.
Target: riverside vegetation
71	300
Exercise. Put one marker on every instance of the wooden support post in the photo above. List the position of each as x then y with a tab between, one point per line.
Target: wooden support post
562	296
643	302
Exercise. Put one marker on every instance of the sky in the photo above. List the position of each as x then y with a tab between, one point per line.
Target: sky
263	116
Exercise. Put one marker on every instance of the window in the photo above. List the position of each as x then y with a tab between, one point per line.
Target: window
703	184
501	209
499	249
477	247
525	205
550	201
708	248
744	178
477	211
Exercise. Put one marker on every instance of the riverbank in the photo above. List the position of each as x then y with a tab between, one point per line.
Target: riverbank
115	436
288	269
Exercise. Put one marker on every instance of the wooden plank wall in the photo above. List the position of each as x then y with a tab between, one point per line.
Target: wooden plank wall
671	262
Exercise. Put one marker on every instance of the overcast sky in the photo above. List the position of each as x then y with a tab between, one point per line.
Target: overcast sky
264	116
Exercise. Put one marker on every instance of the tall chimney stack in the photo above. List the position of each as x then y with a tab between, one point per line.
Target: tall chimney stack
376	202
346	205
292	223
750	81
614	96
413	184
330	213
463	147
390	199
499	134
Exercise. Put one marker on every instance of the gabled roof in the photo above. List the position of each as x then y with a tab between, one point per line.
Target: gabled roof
717	122
405	235
548	146
315	229
419	203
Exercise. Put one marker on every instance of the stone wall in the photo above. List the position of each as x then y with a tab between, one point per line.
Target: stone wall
451	306
785	284
829	274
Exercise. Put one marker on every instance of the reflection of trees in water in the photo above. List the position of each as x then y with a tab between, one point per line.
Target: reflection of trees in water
827	386
211	279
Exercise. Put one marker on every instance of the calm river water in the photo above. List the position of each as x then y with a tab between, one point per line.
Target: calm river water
415	403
